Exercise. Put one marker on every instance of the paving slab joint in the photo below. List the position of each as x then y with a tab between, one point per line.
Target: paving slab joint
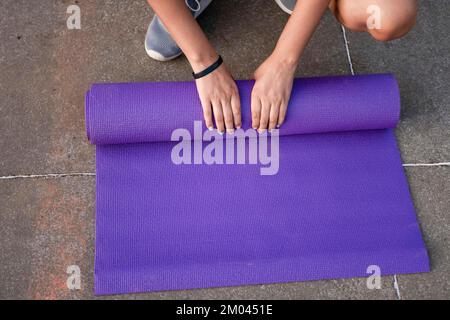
396	287
347	49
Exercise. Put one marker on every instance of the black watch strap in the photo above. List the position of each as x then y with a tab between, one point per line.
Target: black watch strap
208	70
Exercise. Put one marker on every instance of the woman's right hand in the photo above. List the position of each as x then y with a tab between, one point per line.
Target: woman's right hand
218	91
220	100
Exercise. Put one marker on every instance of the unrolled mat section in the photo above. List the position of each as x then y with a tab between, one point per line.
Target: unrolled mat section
180	207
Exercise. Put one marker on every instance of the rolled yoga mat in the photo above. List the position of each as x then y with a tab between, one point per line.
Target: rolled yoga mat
336	203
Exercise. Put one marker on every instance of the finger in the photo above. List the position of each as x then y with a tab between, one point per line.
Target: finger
273	116
236	108
256	111
207	113
282	113
218	116
265	113
228	115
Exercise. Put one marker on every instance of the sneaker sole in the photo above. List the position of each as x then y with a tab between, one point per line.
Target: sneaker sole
283	7
159	57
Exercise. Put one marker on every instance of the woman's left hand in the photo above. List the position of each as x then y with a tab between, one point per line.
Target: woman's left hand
271	92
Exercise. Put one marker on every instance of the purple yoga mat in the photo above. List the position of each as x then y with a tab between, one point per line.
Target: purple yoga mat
338	203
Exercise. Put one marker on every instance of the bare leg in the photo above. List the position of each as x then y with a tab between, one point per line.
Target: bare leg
383	19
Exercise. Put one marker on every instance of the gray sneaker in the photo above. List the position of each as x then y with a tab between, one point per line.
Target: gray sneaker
158	42
286	5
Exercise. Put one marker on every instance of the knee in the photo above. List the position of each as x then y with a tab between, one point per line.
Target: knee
395	23
350	14
383	20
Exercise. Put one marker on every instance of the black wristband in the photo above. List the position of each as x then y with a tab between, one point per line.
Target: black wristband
208	70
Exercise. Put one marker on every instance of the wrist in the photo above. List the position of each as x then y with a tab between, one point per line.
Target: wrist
201	61
285	61
286	55
208	70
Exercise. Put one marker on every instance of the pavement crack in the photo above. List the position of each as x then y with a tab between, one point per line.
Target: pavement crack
347	49
397	288
48	175
437	164
92	174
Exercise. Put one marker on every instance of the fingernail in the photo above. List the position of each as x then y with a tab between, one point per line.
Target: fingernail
238	127
211	128
261	131
278	125
230	131
220	132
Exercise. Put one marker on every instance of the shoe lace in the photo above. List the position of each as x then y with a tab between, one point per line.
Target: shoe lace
189	5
